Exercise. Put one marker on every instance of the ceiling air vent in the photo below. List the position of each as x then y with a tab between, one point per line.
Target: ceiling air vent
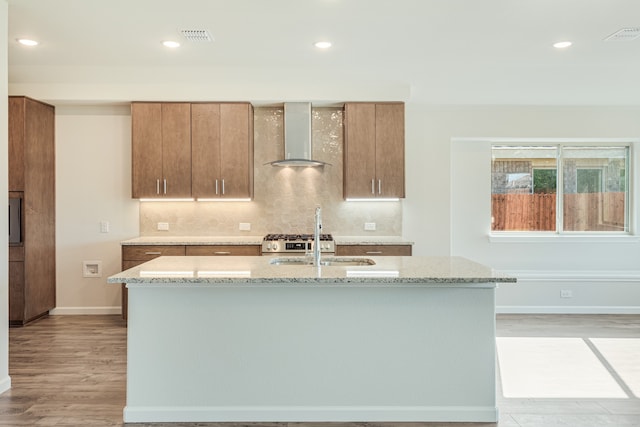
197	35
624	35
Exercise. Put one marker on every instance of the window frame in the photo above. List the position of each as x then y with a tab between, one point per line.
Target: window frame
628	235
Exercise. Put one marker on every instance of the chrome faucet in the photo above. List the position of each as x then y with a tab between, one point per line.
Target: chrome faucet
316	238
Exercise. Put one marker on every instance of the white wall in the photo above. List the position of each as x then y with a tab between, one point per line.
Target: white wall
93	184
448	210
432	215
5	381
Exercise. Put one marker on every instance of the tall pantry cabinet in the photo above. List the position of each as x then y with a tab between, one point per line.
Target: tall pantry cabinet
32	268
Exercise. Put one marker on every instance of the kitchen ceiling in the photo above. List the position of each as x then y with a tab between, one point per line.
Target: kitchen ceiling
442	51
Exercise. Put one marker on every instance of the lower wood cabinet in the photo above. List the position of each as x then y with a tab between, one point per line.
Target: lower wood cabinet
134	255
373	250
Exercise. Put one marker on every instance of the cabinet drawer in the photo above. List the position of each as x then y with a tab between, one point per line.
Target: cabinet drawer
224	250
146	253
373	250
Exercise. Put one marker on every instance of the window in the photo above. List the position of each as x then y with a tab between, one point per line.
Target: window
560	188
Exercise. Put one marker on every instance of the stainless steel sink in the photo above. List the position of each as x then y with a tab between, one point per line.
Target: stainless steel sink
326	261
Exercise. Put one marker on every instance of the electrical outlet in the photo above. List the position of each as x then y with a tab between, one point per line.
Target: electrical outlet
370	226
245	226
105	226
163	226
566	293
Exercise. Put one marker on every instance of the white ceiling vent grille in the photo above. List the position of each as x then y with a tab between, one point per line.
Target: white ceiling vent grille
197	35
624	35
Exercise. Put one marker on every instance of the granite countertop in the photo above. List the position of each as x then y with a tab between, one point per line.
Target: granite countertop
371	240
194	240
255	240
174	271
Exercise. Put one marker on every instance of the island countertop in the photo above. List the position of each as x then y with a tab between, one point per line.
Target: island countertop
251	270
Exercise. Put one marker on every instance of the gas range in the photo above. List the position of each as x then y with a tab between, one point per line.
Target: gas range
296	243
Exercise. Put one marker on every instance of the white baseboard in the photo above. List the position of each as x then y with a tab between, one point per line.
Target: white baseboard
139	414
508	309
70	311
5	384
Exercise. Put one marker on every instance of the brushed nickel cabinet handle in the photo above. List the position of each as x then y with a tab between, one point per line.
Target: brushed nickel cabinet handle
157	186
165	186
222	253
373	191
223	187
153	253
379	186
374	252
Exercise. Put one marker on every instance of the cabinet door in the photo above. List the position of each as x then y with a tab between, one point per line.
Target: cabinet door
390	150
359	150
236	150
222	150
16	143
205	150
146	149
16	292
176	149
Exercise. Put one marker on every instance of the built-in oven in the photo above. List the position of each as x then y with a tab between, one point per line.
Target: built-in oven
15	219
296	244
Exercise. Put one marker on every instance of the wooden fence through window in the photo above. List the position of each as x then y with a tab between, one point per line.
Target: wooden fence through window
537	212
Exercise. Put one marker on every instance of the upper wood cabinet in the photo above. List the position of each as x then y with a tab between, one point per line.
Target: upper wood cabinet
374	150
161	149
222	150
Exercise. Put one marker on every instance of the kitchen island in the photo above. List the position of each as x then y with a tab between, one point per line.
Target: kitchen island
213	339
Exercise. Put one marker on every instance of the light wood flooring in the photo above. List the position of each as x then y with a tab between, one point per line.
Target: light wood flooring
70	371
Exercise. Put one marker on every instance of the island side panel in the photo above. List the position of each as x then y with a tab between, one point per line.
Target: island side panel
311	353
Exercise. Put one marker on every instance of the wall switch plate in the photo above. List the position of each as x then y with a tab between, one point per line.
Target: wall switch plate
370	226
105	226
566	293
91	268
245	226
163	226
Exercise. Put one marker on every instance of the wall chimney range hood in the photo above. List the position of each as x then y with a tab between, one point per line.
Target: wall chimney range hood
298	149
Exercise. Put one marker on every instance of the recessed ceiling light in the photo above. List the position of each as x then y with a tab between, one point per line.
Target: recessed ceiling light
171	44
27	42
562	45
322	45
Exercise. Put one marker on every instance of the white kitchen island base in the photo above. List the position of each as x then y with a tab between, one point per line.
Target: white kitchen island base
376	351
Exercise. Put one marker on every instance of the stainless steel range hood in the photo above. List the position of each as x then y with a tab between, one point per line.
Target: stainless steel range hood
298	149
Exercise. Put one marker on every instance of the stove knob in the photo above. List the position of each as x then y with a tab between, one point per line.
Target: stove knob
275	246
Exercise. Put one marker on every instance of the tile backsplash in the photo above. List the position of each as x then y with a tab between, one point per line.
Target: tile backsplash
284	198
